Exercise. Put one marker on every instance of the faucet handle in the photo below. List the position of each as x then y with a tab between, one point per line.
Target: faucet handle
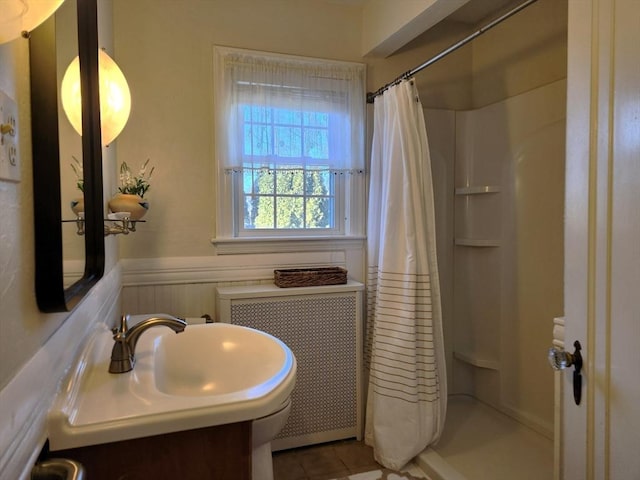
124	326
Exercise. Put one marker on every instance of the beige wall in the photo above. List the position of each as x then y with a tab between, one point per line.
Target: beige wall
525	52
445	84
165	49
23	329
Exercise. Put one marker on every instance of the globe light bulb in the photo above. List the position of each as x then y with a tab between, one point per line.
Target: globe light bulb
115	97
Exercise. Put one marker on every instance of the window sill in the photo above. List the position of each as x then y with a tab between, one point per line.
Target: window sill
236	246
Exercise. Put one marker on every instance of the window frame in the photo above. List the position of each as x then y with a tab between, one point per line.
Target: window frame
231	236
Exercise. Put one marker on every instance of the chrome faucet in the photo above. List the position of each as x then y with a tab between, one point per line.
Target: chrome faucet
123	353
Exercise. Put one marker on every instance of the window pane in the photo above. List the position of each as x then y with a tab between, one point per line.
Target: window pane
247	180
261	140
261	114
287	117
316	119
263	181
319	212
249	211
317	182
288	142
290	181
264	212
289	212
316	143
247	141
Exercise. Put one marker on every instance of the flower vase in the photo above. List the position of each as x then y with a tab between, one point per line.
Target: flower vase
125	202
77	205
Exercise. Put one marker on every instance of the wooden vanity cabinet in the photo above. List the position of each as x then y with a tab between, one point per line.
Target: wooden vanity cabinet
222	453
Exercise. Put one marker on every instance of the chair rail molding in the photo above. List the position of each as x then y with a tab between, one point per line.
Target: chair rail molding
225	268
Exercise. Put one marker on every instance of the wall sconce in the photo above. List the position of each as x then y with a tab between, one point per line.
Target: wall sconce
19	17
115	98
115	224
120	222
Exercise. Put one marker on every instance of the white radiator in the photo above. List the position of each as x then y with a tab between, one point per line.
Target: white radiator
323	328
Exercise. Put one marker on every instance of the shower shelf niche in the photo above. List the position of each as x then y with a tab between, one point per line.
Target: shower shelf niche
477	190
473	231
476	361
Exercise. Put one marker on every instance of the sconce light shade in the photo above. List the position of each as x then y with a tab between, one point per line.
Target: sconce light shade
115	98
17	16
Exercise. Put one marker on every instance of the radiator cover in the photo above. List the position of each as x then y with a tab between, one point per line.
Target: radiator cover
322	326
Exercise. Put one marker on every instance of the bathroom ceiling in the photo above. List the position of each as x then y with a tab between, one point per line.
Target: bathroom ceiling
476	10
472	12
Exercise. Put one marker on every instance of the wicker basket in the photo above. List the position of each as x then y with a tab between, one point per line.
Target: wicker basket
309	277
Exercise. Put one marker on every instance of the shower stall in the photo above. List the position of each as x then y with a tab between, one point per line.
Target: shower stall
499	191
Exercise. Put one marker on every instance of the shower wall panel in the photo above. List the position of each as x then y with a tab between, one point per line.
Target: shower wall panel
508	260
441	132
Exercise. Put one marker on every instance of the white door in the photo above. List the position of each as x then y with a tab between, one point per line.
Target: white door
601	436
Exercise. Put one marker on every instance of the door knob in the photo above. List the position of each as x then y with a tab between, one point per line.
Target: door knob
559	360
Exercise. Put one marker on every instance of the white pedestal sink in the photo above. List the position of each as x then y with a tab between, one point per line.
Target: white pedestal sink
208	375
219	359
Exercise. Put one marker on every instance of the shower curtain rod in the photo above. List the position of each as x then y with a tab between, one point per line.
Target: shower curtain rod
452	48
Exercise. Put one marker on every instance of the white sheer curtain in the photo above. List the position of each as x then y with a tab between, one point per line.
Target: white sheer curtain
407	395
274	93
300	122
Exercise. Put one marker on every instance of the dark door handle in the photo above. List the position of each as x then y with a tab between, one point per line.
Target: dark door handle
559	360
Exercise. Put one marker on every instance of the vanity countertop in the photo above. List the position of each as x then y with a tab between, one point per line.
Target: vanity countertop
96	406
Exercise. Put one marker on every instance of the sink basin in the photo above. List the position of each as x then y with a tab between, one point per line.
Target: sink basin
208	375
218	359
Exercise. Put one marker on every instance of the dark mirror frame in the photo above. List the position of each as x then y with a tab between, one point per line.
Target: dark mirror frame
51	295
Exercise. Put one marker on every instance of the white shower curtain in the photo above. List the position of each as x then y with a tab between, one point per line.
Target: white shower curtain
406	401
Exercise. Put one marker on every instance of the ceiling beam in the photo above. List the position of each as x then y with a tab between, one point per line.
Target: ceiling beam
390	24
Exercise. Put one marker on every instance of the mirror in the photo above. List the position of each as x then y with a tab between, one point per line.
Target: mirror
51	294
73	252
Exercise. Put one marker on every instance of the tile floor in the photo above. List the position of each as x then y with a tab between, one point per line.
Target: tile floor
324	462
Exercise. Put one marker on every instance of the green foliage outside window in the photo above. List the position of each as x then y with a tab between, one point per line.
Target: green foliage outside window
288	196
289	199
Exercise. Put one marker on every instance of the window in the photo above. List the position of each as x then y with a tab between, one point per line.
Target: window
287	196
289	145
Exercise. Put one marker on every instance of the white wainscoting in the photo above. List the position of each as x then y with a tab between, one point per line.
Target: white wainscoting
185	286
